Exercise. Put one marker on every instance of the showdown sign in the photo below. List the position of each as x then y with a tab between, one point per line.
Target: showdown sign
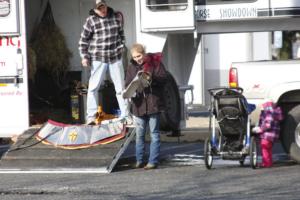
241	11
225	12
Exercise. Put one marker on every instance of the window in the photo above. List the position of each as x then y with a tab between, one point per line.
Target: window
167	5
289	47
4	8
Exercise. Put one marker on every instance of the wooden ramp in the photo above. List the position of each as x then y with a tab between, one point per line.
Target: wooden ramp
28	155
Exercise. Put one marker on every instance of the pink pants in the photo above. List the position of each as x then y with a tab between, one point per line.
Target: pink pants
266	150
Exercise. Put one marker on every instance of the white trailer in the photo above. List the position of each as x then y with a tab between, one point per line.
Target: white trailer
14	117
175	26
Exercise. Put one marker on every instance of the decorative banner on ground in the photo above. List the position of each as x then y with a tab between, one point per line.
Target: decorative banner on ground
81	136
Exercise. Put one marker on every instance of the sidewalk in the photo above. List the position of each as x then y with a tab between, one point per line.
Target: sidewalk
196	130
197	122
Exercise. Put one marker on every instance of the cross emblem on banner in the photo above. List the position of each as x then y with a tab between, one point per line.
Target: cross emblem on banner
73	136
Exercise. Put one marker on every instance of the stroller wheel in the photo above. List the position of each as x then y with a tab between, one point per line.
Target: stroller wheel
253	153
208	157
242	161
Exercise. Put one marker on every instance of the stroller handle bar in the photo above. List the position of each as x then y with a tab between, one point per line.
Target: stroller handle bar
213	91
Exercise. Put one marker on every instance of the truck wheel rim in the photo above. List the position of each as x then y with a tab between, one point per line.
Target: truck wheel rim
297	135
209	156
254	156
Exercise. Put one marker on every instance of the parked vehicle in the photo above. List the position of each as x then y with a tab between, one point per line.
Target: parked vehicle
14	117
276	80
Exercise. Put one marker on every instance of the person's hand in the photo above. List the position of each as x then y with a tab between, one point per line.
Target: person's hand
256	130
85	62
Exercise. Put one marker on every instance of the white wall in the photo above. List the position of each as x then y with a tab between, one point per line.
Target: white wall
196	79
262	49
233	47
220	50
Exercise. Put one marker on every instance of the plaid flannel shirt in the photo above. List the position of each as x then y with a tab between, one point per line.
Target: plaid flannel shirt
269	123
102	39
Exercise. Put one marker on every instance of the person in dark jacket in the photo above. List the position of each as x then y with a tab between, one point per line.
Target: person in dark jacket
147	102
100	46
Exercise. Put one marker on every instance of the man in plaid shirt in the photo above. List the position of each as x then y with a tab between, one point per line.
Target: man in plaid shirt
268	129
100	47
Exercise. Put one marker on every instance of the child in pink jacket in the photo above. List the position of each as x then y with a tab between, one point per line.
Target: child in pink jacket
268	130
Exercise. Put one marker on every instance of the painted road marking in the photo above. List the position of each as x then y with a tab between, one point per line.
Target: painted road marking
193	159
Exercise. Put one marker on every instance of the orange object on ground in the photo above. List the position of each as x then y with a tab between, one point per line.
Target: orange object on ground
101	116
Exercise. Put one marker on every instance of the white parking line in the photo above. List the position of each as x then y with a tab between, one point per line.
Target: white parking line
193	159
101	170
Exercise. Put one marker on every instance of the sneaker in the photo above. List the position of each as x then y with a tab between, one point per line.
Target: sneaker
129	121
139	165
150	166
91	123
261	165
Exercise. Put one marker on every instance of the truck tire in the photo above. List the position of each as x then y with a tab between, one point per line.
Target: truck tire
295	152
290	132
170	118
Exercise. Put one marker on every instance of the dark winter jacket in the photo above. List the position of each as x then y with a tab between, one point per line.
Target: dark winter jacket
150	100
102	38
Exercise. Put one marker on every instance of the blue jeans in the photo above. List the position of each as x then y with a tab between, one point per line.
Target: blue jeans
98	72
141	127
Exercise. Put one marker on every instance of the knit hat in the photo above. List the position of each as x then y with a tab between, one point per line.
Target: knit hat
100	2
268	104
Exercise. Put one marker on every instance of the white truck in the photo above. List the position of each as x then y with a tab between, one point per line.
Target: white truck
279	81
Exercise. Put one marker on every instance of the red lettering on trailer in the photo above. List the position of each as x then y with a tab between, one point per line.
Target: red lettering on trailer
255	86
2	64
10	93
10	41
19	93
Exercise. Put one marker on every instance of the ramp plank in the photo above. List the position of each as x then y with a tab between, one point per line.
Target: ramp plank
29	155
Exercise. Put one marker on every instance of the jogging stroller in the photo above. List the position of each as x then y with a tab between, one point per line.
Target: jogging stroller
230	127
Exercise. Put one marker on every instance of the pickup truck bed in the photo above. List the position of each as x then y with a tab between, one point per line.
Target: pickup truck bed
279	81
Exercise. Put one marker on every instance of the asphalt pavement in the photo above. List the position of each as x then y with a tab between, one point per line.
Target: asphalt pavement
180	175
